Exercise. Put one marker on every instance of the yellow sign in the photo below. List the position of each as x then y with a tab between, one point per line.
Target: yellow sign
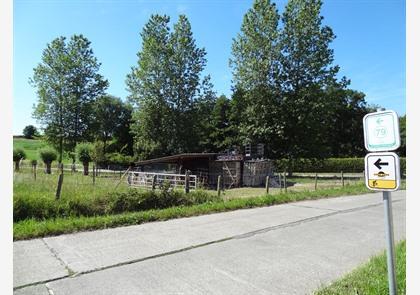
382	184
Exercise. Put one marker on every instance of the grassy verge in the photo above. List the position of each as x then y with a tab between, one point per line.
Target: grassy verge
31	228
371	278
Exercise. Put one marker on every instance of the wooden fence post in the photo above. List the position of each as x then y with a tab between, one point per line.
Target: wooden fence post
218	185
187	181
60	182
280	181
154	182
34	170
285	182
128	169
342	179
267	179
93	173
316	180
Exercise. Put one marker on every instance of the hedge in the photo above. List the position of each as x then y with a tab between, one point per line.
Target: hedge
334	165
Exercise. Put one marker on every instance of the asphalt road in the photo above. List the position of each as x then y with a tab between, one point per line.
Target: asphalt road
285	249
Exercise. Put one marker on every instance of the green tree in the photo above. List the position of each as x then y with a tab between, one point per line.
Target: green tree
221	131
307	71
346	128
255	63
203	124
84	153
67	82
18	155
30	132
148	87
165	88
123	136
402	149
48	155
187	62
109	117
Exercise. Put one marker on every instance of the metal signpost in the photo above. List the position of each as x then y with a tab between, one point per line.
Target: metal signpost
382	134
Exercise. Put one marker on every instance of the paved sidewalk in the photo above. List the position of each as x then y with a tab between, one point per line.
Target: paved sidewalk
283	249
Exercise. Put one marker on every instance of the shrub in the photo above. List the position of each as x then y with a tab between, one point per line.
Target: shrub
37	207
97	152
84	153
82	206
18	154
118	159
48	155
72	156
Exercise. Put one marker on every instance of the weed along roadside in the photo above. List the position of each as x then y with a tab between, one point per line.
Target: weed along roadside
40	218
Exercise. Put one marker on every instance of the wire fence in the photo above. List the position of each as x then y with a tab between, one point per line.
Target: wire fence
112	178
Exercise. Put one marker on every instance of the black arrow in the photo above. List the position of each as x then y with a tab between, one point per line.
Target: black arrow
378	163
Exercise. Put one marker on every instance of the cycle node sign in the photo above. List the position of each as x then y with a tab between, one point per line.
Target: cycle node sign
382	171
381	131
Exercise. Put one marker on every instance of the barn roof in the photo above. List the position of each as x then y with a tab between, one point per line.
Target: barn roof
176	158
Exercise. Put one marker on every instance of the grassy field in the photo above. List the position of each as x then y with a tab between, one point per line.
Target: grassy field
371	278
85	206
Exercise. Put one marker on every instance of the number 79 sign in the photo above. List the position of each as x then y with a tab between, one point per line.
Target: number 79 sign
381	131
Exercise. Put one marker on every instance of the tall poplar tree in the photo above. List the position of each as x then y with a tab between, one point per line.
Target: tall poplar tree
307	71
187	62
149	88
255	63
166	89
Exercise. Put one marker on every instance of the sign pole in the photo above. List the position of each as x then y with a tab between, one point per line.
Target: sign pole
389	235
382	172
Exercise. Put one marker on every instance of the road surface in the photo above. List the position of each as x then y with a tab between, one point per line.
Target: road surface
285	249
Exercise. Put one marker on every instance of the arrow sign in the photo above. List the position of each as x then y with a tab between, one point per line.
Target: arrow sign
378	164
387	178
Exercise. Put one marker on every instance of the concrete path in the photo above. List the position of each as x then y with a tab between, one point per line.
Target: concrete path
284	249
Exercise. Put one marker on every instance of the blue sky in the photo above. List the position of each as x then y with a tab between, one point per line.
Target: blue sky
370	43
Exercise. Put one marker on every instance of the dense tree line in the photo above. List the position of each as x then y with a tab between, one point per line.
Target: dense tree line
287	92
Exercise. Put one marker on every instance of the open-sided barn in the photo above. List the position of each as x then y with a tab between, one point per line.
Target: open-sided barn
234	169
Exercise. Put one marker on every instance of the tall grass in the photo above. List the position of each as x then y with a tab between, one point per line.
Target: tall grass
36	199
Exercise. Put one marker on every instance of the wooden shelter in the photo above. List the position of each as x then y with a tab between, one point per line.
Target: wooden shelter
234	170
